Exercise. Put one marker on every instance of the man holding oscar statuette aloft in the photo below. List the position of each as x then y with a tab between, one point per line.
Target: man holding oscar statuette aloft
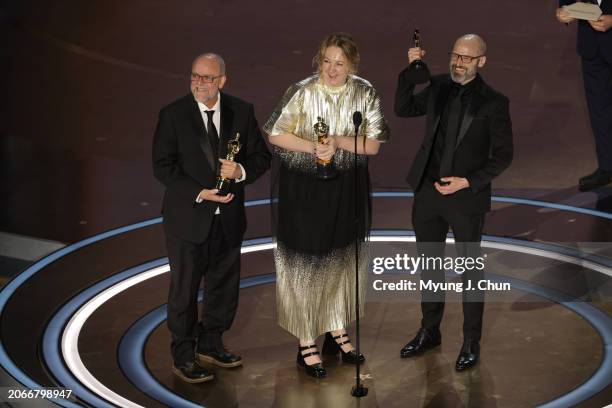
467	143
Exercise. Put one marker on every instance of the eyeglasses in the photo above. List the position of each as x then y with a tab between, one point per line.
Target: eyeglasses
207	79
464	58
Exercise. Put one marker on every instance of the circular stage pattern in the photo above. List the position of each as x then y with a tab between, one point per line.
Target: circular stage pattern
60	349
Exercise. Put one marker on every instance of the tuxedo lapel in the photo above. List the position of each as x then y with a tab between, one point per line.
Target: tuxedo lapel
227	125
200	132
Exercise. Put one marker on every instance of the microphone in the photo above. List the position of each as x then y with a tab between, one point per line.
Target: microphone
357	119
358	389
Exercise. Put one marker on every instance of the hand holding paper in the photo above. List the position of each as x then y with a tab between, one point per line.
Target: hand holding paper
583	11
603	24
563	16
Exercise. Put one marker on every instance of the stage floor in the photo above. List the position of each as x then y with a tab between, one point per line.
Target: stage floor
98	318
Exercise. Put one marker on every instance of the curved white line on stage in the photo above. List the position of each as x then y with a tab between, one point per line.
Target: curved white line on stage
72	330
70	336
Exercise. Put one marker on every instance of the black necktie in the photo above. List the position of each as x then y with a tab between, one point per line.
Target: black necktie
211	130
452	128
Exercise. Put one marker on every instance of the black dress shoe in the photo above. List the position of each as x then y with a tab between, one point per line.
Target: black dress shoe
598	178
424	340
315	370
192	373
222	358
468	356
332	347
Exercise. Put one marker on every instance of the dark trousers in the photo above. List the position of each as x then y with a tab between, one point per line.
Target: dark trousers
218	264
597	76
432	215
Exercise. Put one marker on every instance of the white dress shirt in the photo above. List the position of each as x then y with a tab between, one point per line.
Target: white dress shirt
216	118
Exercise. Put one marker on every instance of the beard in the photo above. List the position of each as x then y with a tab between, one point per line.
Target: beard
203	97
462	77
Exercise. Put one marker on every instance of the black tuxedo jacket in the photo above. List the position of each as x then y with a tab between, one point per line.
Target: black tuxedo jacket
484	142
184	162
591	42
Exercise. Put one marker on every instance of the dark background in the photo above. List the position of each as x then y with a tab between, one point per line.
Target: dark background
83	81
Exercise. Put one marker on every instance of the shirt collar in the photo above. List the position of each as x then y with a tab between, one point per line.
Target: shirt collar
467	88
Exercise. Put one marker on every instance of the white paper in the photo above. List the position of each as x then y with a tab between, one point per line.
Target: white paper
584	11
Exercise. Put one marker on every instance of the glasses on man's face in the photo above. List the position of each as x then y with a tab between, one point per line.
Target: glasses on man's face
207	79
464	58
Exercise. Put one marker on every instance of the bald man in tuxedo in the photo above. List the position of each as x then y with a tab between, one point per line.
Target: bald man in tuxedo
203	229
467	143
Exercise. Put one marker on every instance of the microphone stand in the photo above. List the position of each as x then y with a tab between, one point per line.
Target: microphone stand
358	389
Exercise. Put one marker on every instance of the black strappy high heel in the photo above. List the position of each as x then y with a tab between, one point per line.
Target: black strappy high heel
332	347
316	370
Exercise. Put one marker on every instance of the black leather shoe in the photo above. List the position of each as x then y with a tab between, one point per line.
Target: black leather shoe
222	358
316	370
598	178
468	356
192	373
332	346
424	340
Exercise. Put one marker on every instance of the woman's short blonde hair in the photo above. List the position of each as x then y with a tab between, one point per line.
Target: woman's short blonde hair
343	41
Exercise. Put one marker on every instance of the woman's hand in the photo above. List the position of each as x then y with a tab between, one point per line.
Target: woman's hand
369	146
327	149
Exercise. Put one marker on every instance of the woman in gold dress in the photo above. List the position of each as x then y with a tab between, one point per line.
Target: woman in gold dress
315	219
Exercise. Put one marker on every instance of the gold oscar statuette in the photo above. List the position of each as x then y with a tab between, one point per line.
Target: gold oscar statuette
420	71
325	168
416	41
233	147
